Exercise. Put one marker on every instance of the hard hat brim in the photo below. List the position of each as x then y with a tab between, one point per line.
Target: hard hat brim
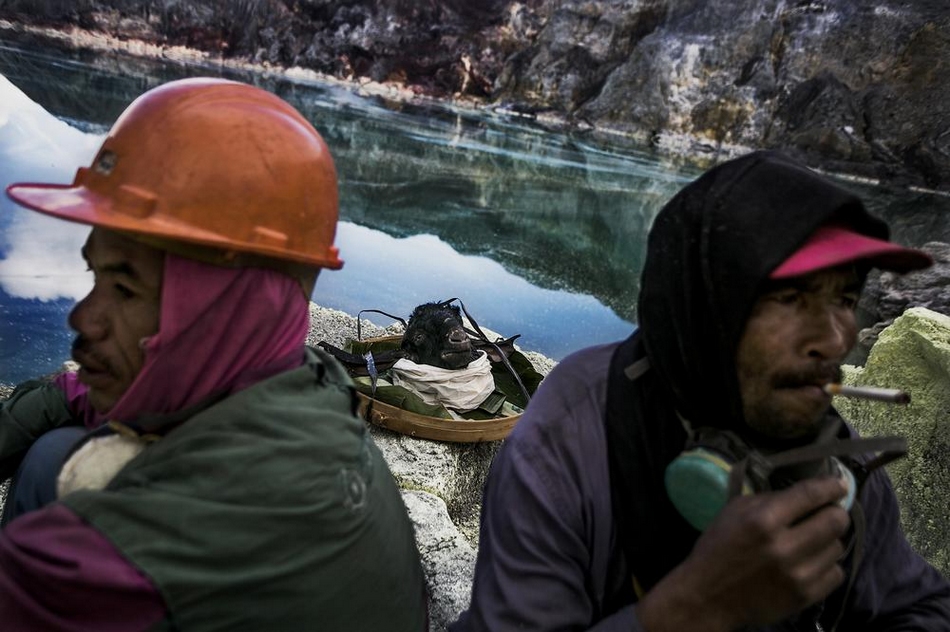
81	205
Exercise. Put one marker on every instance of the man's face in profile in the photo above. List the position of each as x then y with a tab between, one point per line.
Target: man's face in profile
120	311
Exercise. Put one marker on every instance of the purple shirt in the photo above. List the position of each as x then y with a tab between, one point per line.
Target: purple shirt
58	574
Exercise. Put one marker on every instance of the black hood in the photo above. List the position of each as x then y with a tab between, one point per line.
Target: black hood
709	251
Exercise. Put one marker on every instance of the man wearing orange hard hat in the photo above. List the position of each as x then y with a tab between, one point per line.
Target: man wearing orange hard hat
221	478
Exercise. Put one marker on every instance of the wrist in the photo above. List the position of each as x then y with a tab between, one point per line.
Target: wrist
671	606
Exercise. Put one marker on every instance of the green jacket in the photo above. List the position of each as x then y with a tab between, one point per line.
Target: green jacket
35	407
270	510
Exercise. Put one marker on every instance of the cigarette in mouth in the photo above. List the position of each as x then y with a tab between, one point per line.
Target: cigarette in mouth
892	395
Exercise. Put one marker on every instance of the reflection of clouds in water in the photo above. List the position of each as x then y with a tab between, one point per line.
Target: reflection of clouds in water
40	254
35	146
42	259
396	274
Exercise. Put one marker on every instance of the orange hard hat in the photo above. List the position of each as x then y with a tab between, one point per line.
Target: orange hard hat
209	163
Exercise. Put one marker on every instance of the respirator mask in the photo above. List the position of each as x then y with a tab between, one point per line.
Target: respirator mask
717	465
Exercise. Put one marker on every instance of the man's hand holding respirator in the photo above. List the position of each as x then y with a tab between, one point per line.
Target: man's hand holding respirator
776	527
764	557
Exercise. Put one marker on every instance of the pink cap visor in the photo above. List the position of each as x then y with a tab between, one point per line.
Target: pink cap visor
832	246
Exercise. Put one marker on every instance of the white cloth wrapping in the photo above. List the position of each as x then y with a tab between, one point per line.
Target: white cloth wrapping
459	389
97	462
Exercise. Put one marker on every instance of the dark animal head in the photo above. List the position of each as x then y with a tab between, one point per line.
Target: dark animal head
435	336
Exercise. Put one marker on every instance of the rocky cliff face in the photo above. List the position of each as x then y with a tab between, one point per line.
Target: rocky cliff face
851	86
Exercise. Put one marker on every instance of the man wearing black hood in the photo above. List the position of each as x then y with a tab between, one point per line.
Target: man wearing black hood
695	476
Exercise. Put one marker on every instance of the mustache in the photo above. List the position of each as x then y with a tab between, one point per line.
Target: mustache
83	354
819	374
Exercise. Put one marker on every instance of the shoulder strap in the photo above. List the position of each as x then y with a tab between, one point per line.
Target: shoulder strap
618	410
643	436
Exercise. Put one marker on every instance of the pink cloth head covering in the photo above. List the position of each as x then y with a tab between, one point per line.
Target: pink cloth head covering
220	330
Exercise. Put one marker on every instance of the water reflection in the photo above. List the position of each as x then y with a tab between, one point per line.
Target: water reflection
396	274
539	233
42	259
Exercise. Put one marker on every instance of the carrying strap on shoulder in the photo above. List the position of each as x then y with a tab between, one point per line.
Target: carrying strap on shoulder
637	368
620	376
642	437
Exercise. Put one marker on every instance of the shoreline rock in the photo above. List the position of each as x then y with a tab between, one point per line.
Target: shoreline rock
913	354
888	295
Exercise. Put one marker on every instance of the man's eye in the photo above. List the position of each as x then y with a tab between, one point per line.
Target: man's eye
785	297
123	291
849	300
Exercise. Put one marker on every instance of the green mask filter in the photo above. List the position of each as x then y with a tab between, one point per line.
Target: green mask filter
697	483
717	465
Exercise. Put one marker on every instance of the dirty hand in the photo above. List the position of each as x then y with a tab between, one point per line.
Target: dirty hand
764	558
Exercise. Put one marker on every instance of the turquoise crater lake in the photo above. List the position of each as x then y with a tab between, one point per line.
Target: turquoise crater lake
539	233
